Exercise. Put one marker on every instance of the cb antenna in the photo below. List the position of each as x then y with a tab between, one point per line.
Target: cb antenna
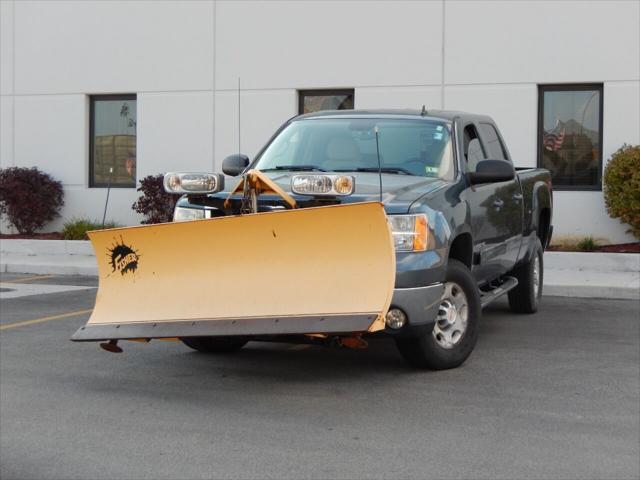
375	129
239	150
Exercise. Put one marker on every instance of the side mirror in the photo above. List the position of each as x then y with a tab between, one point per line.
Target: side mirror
492	171
235	164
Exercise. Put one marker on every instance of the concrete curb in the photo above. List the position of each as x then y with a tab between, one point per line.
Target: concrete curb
593	291
43	257
46	247
567	274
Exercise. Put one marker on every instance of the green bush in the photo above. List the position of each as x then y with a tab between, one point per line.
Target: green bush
77	229
622	187
587	244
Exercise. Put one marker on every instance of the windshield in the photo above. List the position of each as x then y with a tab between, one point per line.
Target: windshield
409	147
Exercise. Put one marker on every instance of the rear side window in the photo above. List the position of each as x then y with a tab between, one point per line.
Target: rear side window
495	148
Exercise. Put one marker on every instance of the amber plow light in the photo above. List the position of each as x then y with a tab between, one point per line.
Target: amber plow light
321	184
297	271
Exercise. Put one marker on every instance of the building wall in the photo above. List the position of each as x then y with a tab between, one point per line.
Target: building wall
184	58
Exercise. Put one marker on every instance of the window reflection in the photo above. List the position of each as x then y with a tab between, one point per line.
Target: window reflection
570	135
317	100
113	141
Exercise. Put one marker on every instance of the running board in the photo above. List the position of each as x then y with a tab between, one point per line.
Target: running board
487	297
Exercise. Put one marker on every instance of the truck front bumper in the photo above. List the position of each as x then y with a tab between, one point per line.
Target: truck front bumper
420	304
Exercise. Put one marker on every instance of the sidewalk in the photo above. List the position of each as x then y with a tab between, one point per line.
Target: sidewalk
566	274
592	275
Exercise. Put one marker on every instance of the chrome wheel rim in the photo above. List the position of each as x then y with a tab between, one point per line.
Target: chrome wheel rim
536	276
452	318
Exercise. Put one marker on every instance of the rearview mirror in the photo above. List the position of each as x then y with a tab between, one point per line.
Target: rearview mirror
492	171
235	164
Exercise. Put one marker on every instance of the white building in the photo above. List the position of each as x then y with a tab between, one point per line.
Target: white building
179	62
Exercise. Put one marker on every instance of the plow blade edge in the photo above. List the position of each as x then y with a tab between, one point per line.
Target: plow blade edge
317	270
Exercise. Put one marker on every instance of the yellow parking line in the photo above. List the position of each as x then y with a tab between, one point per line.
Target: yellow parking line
27	279
45	319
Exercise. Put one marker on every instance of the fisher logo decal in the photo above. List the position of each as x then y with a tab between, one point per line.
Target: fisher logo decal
123	258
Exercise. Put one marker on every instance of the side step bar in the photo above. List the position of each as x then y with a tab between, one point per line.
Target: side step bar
487	297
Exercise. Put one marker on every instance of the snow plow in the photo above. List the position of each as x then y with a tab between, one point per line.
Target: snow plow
316	272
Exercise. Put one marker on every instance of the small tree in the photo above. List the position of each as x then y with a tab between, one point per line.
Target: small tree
30	198
622	187
155	204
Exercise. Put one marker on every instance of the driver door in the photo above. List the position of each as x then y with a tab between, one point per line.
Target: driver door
489	226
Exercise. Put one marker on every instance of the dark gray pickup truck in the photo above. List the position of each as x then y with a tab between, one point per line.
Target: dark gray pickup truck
489	221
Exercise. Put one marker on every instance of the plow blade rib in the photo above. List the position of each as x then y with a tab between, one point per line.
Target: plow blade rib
316	270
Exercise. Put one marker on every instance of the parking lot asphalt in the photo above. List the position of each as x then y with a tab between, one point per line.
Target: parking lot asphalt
551	395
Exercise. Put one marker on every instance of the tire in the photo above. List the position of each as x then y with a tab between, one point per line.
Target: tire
525	298
215	344
427	350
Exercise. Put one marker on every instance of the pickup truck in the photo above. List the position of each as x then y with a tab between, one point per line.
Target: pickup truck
489	221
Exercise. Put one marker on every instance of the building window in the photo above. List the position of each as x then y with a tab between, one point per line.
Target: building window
113	122
570	135
316	100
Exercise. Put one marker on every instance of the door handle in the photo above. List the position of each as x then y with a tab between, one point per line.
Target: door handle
517	197
498	203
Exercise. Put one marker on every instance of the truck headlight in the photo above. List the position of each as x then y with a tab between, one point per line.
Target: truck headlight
410	232
181	214
176	182
322	184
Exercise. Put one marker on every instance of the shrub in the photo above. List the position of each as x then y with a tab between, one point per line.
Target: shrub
572	243
587	244
155	204
77	229
622	187
30	198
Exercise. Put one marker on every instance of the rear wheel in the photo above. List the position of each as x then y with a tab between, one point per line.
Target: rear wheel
455	331
215	344
525	298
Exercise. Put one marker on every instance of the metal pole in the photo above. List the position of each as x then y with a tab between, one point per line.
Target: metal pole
104	215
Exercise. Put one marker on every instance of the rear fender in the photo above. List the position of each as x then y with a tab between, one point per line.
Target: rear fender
540	199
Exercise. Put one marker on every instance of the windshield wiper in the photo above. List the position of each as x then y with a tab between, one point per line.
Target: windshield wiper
295	168
375	169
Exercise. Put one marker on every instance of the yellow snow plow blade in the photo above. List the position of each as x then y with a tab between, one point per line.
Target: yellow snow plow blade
316	270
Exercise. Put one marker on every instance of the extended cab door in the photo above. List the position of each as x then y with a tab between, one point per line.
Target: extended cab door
496	208
508	197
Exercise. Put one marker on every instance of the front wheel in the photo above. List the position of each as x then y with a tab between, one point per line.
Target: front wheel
215	344
455	331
